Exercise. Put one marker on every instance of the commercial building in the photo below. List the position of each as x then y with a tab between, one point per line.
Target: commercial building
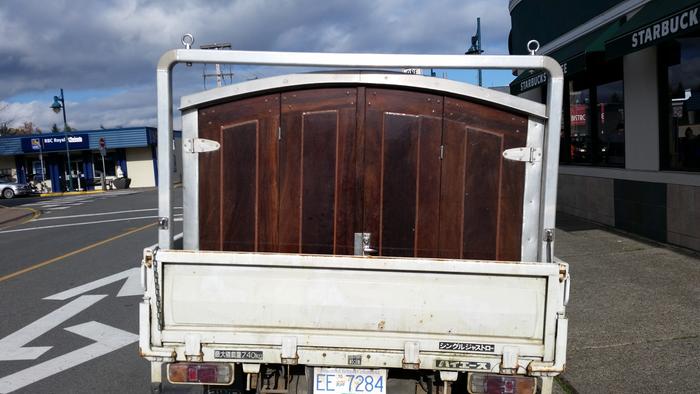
129	152
630	144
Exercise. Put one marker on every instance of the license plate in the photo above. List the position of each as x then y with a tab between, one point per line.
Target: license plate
349	381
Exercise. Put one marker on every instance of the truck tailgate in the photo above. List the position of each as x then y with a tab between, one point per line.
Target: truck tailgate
345	302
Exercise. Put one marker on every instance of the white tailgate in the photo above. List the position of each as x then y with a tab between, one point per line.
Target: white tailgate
257	293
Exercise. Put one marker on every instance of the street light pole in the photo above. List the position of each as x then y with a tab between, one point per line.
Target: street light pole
475	49
56	108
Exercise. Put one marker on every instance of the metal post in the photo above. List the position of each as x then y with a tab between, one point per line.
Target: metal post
103	178
478	41
69	179
475	49
41	160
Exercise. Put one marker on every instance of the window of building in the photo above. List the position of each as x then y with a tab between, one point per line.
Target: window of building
593	123
37	171
681	137
110	165
611	123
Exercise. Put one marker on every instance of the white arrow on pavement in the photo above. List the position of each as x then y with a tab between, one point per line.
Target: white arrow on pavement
131	287
108	339
11	347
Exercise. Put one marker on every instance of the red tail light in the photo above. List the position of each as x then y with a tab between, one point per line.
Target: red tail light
212	373
480	383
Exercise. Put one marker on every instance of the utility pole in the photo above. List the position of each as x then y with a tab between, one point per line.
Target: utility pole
220	76
59	104
475	49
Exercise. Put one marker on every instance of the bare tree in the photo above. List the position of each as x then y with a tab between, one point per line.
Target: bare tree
5	122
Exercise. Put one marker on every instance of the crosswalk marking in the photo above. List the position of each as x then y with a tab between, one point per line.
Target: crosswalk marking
61	203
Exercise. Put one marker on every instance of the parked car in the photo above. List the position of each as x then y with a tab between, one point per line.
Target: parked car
9	188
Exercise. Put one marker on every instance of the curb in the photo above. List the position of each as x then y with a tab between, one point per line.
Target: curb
28	212
58	194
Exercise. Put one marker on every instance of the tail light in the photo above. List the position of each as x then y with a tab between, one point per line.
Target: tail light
480	383
212	373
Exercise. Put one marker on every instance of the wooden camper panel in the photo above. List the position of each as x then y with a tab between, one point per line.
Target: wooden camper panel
238	192
402	171
317	172
481	192
302	171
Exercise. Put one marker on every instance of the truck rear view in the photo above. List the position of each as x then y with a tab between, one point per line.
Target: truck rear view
358	232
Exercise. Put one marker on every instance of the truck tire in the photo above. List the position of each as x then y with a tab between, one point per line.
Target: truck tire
8	193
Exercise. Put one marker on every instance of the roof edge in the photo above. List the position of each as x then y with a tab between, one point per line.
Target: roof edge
246	88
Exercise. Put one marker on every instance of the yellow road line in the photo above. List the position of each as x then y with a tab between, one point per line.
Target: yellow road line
83	249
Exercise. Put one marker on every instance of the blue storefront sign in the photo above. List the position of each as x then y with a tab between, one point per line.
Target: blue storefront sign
53	143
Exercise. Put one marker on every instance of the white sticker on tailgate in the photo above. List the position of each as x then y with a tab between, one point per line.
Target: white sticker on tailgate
349	381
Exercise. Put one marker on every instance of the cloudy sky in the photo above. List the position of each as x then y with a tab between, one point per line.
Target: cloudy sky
103	53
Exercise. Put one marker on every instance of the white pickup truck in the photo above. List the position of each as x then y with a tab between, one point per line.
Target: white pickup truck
357	231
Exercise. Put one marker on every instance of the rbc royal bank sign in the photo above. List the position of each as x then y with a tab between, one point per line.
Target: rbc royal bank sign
52	143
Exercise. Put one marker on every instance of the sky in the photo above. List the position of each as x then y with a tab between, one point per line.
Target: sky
104	53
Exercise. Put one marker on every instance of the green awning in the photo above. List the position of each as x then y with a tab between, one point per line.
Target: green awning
657	21
572	57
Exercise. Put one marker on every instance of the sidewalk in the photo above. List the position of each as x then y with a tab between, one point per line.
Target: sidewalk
11	215
634	312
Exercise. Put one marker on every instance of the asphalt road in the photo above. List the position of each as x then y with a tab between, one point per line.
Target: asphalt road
84	342
633	309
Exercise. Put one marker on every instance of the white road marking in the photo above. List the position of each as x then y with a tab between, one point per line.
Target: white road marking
132	286
11	347
76	224
107	339
82	223
95	214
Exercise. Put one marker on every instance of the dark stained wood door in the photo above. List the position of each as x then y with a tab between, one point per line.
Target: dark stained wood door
239	192
302	171
317	171
481	193
402	171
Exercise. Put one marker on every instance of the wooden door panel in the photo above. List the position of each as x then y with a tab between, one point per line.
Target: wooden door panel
238	203
238	193
402	171
317	174
481	198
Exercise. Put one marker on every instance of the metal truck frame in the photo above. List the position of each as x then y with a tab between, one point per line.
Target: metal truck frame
537	277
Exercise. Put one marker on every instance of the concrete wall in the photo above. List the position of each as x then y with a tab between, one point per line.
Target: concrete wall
683	215
665	212
641	110
139	164
587	197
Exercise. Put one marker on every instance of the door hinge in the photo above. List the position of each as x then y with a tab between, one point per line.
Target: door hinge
442	152
527	154
279	133
199	145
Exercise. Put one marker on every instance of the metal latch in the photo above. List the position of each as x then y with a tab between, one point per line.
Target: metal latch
363	244
549	240
527	154
199	145
289	351
193	347
509	362
411	353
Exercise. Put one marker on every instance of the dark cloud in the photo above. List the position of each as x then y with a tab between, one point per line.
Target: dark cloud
85	44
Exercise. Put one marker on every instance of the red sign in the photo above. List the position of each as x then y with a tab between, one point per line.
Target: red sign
578	114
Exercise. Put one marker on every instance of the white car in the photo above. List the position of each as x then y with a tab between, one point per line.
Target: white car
9	188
